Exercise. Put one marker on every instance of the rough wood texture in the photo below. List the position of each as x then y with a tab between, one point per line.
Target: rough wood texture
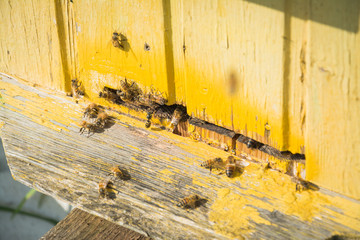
82	225
265	69
45	151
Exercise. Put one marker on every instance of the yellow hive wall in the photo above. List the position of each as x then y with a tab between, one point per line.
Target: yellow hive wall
292	66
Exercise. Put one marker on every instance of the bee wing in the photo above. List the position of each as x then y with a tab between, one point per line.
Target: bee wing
219	165
242	163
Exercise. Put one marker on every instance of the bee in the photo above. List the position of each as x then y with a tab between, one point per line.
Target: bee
75	88
252	144
177	116
148	119
153	97
211	163
89	126
195	136
302	185
110	94
225	147
117	172
101	119
230	166
91	110
189	202
104	188
128	92
118	41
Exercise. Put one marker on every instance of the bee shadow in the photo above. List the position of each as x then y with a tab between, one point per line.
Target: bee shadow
124	42
201	202
109	123
238	172
157	129
126	175
111	195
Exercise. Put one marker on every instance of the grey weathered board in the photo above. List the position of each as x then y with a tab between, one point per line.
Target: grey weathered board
68	166
81	225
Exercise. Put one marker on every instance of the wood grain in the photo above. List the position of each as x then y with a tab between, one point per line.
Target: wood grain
45	151
82	225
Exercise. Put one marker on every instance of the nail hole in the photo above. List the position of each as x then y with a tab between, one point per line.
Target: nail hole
146	47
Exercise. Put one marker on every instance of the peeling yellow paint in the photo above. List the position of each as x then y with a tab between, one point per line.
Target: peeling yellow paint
134	147
152	136
165	175
144	196
231	214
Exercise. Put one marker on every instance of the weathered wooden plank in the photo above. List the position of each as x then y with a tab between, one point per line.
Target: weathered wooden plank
82	225
45	151
333	112
30	47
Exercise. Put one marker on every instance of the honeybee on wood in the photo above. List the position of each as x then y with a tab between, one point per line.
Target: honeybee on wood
189	202
230	166
212	163
117	41
89	126
303	185
110	94
101	119
148	119
116	172
195	136
178	115
152	98
91	110
104	188
75	88
129	92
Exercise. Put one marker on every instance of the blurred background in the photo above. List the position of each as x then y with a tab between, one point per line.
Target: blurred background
38	214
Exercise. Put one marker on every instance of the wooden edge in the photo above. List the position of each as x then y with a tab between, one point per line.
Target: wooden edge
79	224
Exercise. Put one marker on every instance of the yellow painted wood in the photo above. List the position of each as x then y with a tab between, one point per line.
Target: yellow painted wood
102	64
29	42
282	72
333	98
233	70
258	203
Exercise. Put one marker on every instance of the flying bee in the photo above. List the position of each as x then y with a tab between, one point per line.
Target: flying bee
178	115
75	88
117	40
212	163
117	172
91	110
101	119
104	186
89	126
148	119
189	202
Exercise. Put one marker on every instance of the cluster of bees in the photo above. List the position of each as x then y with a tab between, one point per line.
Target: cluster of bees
106	185
96	118
152	102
